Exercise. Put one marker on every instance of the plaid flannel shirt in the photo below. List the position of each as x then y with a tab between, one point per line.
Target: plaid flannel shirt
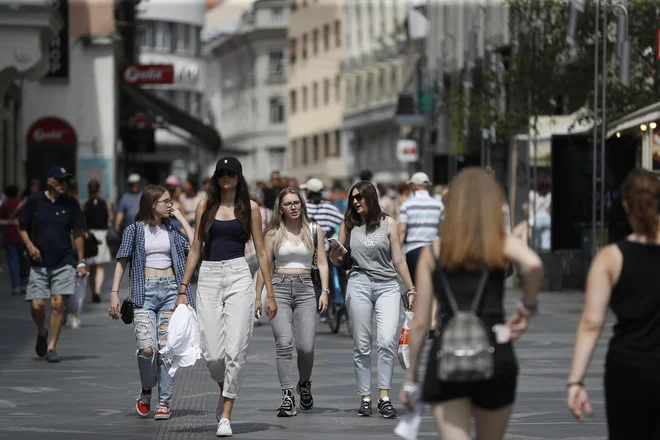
179	248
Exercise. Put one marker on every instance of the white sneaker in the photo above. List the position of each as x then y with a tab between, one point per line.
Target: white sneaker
75	322
224	429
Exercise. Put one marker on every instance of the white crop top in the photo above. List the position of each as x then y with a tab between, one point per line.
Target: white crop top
289	256
157	247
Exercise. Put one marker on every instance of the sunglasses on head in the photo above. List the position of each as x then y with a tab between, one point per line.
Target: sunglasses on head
359	197
226	173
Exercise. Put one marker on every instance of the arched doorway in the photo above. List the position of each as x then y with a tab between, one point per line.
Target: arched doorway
50	141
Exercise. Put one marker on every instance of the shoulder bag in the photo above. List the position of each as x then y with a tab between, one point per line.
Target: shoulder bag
316	275
126	310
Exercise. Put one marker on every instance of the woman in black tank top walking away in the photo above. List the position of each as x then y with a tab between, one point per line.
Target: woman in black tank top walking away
471	257
225	221
623	277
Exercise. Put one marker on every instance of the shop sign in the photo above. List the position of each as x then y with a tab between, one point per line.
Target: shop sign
137	74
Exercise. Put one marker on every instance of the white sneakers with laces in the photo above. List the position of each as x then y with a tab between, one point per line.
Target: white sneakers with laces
224	429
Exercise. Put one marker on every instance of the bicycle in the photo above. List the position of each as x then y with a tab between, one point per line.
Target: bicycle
337	310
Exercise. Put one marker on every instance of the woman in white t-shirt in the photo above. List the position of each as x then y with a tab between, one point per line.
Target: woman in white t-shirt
190	199
540	219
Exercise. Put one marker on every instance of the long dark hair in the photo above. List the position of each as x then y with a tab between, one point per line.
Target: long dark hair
373	215
641	194
242	208
150	196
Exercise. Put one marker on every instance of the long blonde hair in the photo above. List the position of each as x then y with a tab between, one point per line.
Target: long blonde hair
278	228
473	233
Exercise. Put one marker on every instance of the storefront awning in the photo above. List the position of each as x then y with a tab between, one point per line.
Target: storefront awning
145	101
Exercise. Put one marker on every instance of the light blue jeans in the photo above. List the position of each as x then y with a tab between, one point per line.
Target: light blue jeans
365	296
151	323
543	231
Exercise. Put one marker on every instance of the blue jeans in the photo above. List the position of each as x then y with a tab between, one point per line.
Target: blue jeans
14	251
151	324
365	296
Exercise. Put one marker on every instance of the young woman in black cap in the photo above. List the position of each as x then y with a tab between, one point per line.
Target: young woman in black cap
226	220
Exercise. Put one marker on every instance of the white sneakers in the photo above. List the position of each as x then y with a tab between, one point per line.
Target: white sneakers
224	429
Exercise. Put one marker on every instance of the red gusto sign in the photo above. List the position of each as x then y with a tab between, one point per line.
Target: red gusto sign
136	74
51	131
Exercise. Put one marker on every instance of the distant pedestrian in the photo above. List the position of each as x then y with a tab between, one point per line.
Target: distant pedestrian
97	219
190	198
47	222
129	203
173	186
470	260
290	241
226	220
372	238
157	253
621	278
10	212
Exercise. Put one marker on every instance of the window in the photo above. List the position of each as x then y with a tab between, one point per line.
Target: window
195	36
315	41
276	66
278	15
292	101
326	91
315	142
315	94
338	33
183	41
304	47
326	144
326	37
337	143
292	51
338	88
294	153
394	83
276	106
163	36
381	84
368	87
147	35
358	90
305	159
195	104
304	98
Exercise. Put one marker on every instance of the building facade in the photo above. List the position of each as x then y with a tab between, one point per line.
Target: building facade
68	115
26	30
380	62
247	85
169	34
316	96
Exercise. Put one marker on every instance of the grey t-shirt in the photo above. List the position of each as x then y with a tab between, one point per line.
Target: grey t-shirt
371	252
129	204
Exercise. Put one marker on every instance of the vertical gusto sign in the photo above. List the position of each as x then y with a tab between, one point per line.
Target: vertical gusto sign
58	49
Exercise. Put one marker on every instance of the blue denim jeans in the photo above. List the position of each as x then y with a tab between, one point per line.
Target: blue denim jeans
151	324
14	251
364	297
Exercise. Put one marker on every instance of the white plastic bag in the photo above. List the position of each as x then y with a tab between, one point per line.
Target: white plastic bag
183	340
404	349
77	301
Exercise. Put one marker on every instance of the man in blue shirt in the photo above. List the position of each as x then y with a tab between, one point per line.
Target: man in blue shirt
46	225
129	203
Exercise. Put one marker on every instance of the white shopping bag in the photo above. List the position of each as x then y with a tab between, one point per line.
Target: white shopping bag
183	340
408	426
77	301
404	349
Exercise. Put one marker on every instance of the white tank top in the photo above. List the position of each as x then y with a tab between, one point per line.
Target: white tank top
157	247
289	256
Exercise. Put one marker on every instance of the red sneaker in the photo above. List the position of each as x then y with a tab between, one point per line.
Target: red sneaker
162	412
143	404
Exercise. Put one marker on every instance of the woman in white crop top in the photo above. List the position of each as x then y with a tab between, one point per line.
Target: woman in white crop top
289	240
157	252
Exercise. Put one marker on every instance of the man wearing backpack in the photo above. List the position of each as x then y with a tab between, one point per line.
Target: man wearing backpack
46	225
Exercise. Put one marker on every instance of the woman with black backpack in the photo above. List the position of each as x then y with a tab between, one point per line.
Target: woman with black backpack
472	368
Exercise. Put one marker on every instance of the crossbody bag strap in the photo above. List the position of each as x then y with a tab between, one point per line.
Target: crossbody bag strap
476	302
130	267
316	243
450	296
12	216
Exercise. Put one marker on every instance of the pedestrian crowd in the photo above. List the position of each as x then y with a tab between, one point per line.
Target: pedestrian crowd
451	249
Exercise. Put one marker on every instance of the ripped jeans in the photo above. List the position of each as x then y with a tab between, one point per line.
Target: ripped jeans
151	324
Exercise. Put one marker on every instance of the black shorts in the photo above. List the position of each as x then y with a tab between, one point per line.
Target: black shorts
495	393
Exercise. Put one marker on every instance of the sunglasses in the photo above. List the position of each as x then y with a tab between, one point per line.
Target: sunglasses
359	197
226	173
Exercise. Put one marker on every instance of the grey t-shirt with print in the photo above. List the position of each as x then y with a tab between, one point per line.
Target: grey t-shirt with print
371	251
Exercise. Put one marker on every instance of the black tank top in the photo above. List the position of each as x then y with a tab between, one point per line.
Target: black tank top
225	241
635	302
96	214
464	287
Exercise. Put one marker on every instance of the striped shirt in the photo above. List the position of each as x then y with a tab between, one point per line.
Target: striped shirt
327	216
422	215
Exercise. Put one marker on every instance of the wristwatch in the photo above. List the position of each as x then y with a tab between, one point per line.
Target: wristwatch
325	291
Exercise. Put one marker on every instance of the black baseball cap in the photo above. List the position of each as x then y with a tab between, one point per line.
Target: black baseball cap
229	163
58	172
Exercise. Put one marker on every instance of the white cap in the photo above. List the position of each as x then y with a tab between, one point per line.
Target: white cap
134	178
314	185
420	179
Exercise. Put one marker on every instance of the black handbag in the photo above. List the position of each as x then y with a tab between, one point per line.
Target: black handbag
126	310
316	275
91	245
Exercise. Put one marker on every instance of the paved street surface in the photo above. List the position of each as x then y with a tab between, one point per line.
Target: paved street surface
92	391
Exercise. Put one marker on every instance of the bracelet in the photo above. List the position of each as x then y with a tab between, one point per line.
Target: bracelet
571	384
183	284
182	293
325	290
81	265
531	308
114	291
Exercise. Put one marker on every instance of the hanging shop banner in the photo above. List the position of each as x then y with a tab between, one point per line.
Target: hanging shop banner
58	48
